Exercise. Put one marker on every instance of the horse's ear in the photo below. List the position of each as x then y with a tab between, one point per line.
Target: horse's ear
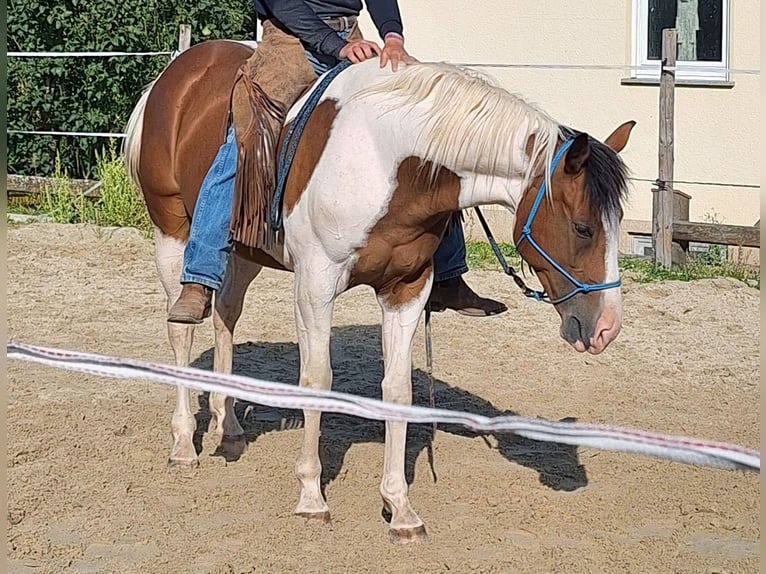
577	155
619	137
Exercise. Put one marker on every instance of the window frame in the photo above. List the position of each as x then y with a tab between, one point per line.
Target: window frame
646	69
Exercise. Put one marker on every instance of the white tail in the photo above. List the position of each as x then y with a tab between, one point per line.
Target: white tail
131	145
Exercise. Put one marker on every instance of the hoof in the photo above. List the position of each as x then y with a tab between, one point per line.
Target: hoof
321	517
183	464
408	535
232	447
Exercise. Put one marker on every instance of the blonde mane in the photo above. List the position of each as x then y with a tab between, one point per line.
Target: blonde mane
468	107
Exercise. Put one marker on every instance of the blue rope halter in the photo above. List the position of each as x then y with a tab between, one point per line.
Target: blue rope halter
526	235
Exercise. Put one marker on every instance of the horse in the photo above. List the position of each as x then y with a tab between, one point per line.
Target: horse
385	161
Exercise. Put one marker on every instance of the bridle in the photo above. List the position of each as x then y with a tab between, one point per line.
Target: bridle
526	235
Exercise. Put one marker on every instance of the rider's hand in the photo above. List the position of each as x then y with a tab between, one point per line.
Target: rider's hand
359	51
394	52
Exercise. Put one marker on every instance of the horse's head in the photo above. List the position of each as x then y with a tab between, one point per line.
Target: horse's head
569	235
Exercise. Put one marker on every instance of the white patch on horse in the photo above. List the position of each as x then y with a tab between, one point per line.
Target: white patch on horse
338	219
612	297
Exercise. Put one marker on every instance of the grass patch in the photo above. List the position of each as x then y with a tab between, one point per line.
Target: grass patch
58	202
119	203
713	263
479	255
697	267
24	204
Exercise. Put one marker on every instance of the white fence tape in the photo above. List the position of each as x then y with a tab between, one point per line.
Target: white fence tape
76	134
604	67
532	66
280	395
83	54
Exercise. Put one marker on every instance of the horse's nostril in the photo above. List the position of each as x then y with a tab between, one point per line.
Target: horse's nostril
573	331
576	328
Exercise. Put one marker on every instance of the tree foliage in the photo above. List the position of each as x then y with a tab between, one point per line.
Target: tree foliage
94	94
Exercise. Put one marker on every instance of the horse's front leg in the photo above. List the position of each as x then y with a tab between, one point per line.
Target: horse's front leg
226	313
315	294
401	312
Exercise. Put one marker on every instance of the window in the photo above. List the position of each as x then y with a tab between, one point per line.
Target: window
702	28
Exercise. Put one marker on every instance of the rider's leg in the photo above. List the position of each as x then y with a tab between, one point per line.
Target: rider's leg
209	245
450	291
207	251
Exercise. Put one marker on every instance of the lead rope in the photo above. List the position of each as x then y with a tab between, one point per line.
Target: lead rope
528	292
431	393
539	295
428	339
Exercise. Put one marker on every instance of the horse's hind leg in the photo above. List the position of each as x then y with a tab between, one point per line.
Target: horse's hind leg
168	255
227	310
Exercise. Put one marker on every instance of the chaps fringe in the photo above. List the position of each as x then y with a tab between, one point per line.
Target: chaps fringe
255	178
269	83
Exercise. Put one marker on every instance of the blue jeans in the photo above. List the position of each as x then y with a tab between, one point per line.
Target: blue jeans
207	252
449	259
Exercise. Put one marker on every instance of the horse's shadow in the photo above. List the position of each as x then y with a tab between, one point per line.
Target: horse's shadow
358	369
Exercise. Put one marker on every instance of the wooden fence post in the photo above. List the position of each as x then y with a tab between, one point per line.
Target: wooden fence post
184	37
662	226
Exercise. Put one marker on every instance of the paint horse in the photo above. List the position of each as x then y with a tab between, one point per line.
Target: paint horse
385	160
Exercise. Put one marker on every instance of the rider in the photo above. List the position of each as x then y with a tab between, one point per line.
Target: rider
328	33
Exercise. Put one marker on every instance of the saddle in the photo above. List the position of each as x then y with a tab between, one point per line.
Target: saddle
267	85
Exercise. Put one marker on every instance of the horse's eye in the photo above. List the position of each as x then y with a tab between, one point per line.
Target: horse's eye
583	230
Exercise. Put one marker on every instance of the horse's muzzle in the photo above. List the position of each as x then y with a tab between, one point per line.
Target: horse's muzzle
589	335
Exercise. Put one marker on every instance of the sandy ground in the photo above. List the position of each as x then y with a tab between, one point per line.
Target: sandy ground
89	490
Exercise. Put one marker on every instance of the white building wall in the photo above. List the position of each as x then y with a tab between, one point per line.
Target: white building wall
716	130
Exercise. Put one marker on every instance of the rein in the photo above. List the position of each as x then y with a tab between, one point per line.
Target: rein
526	235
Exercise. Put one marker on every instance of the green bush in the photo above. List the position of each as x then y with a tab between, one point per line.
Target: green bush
94	94
119	203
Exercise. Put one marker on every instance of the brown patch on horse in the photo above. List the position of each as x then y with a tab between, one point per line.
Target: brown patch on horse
397	259
187	110
308	152
270	82
307	155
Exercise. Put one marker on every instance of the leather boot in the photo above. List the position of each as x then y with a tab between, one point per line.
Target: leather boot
193	305
455	294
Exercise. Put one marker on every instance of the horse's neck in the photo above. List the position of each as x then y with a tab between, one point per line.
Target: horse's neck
491	167
481	189
486	177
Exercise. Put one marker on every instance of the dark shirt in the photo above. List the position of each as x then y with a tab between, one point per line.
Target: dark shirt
303	18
